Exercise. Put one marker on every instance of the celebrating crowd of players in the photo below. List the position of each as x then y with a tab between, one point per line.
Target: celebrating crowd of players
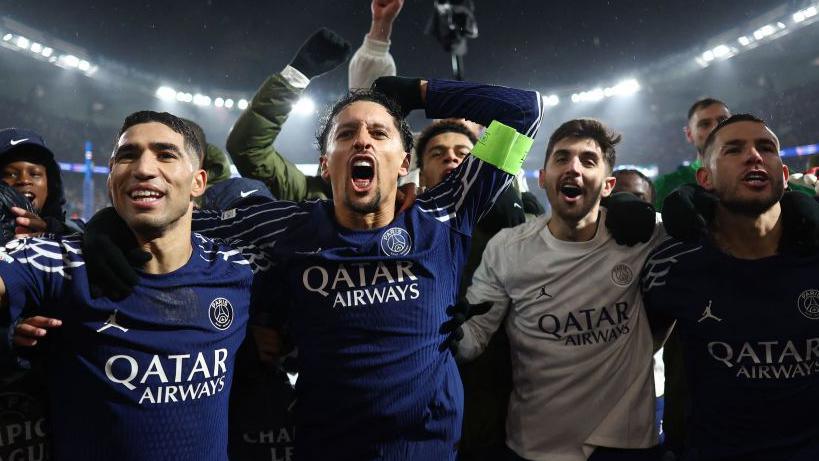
433	318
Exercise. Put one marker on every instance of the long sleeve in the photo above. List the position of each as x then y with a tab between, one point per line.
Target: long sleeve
370	61
486	286
250	142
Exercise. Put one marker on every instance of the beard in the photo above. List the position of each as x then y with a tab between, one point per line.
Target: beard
367	207
752	206
579	210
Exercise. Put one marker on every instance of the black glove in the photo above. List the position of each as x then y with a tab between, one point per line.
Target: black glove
629	219
800	224
506	212
321	52
405	91
111	252
688	211
459	314
9	197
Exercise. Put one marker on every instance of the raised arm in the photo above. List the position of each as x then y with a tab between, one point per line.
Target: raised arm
373	58
250	142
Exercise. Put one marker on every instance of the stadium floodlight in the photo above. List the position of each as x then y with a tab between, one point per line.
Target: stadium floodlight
36	47
721	51
765	31
624	88
801	15
219	102
201	100
68	60
228	103
22	42
166	93
744	40
304	106
182	96
551	100
8	37
242	104
83	65
47	51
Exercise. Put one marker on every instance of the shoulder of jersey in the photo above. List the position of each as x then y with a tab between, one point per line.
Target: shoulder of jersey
519	233
678	250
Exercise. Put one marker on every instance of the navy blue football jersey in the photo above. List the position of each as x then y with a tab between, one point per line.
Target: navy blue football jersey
366	307
148	377
750	334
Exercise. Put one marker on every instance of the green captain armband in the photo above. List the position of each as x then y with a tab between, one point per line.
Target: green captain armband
503	147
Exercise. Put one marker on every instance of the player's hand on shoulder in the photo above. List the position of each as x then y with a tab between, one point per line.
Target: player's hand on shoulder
688	211
629	219
30	331
111	252
458	315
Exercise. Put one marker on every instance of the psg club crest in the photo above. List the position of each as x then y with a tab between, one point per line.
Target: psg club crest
396	242
221	313
808	303
622	275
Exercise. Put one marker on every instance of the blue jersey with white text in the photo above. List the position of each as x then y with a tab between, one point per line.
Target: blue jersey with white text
366	307
750	332
145	378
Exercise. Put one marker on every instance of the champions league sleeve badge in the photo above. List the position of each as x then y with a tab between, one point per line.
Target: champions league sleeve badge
396	242
221	313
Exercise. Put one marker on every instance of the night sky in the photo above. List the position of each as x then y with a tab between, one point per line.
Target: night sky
233	45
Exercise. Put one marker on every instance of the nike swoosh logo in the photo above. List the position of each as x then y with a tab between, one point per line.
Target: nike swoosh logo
518	205
245	194
14	142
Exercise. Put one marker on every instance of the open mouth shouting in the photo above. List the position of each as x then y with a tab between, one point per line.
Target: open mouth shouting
29	195
362	172
756	179
570	191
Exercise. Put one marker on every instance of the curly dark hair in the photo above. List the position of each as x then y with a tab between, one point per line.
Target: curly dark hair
444	126
363	95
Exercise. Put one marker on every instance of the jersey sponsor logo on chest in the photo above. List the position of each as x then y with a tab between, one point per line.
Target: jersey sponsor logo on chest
365	283
774	359
171	378
593	325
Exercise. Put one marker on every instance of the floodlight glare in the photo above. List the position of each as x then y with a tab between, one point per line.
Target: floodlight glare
721	51
36	47
22	42
242	104
83	65
551	100
47	51
228	103
7	37
166	93
69	60
219	102
764	31
304	106
201	100
744	41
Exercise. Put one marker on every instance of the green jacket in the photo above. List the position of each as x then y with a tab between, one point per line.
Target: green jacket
250	144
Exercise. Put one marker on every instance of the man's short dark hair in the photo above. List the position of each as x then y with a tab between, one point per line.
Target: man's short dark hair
364	95
444	126
173	122
709	141
586	128
639	174
200	135
702	104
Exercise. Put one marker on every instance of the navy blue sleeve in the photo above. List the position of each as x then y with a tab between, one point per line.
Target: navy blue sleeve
261	224
481	103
